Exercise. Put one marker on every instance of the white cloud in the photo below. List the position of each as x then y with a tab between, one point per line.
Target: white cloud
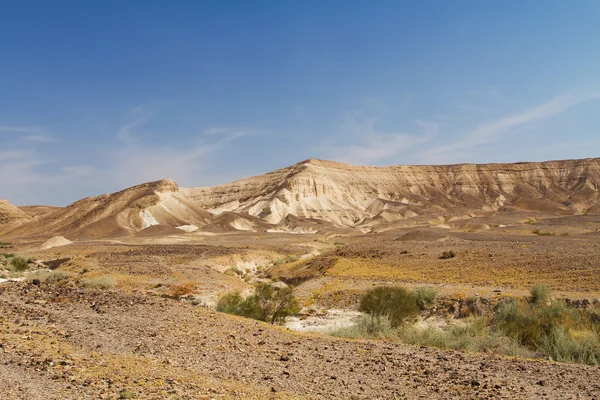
137	161
20	129
496	130
367	145
39	138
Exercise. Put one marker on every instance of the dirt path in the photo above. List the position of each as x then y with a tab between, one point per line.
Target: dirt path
92	344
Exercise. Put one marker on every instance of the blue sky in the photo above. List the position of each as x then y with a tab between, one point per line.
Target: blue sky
96	96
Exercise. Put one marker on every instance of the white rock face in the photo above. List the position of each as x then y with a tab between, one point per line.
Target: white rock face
188	228
148	219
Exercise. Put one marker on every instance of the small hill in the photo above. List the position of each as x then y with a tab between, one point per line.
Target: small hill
11	216
127	212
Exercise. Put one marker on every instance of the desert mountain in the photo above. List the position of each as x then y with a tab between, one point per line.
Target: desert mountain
349	195
316	195
12	215
123	213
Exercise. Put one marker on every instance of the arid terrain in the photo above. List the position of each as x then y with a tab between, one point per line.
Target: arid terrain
132	315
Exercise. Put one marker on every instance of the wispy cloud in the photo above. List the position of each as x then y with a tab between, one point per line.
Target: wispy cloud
20	129
29	133
137	160
496	130
369	145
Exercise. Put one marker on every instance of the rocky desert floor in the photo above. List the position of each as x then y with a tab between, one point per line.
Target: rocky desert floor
153	335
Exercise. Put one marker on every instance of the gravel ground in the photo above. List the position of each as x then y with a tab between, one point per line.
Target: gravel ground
67	342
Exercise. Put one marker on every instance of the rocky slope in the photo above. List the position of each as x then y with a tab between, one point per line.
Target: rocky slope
11	215
349	195
101	344
123	213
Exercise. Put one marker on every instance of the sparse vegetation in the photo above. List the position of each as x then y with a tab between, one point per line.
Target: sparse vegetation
127	394
19	264
292	258
553	329
447	255
279	261
233	271
425	296
268	304
542	233
540	294
103	282
525	328
395	303
230	303
183	290
49	277
368	326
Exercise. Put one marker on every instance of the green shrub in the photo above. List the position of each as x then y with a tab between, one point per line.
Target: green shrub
540	294
19	264
278	261
268	304
50	277
230	303
448	254
425	296
561	345
396	303
127	394
103	282
520	322
367	326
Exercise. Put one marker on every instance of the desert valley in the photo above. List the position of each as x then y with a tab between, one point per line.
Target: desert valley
129	294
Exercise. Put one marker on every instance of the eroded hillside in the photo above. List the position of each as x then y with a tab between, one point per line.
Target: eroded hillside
324	196
349	195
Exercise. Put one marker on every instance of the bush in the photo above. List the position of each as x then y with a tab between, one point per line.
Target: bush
425	296
367	326
49	277
233	271
520	322
396	303
230	303
268	304
540	294
103	282
447	254
183	289
560	345
19	264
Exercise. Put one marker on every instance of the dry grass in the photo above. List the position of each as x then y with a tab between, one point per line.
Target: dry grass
183	290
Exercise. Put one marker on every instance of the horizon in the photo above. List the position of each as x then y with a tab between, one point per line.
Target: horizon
297	163
102	96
